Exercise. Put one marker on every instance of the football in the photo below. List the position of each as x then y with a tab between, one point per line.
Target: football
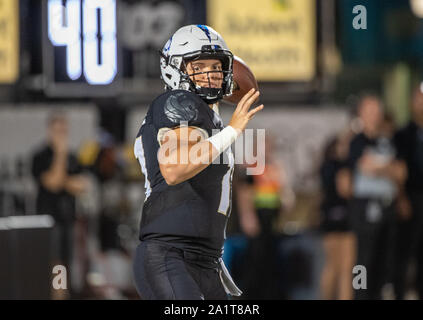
244	80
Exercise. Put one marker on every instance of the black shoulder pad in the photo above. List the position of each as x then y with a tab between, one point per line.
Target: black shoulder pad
173	107
181	106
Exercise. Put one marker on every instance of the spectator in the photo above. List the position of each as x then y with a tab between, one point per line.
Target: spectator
59	180
338	239
409	143
261	199
375	175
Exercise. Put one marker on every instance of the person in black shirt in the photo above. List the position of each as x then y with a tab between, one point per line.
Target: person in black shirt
375	175
409	143
58	177
188	198
338	239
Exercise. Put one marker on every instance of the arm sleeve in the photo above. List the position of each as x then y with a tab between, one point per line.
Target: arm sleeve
74	167
354	154
324	174
40	164
400	146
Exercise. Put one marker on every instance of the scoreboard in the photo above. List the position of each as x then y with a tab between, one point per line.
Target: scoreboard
91	50
80	52
104	47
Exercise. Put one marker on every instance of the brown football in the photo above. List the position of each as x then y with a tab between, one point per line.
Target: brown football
244	80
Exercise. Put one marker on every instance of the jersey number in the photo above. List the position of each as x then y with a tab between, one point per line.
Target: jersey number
225	196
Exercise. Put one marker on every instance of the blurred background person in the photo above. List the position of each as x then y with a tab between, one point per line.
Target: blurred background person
59	179
261	199
374	174
409	144
338	239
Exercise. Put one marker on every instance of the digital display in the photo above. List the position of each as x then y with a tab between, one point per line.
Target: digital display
81	52
97	48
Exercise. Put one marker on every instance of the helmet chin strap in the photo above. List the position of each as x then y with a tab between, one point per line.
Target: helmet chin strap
208	94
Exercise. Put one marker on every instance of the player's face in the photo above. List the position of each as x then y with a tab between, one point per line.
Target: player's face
212	76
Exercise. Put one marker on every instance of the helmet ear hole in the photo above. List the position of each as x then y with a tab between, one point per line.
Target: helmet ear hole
168	76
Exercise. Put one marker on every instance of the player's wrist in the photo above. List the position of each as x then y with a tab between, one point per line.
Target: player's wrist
238	131
224	138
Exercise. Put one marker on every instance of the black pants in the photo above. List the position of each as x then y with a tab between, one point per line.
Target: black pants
163	272
409	244
375	237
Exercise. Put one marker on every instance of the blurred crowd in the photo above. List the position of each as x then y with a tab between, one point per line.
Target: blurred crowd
372	180
93	194
369	213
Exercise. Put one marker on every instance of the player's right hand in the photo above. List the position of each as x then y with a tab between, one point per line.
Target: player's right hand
242	113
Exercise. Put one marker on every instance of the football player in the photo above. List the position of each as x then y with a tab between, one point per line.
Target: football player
185	155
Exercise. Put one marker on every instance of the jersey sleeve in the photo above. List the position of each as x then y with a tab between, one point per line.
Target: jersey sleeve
400	145
355	152
40	164
179	108
74	166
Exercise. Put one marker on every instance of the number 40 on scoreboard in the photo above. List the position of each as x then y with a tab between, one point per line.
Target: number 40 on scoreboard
80	46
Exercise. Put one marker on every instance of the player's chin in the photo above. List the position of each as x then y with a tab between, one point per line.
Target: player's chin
212	86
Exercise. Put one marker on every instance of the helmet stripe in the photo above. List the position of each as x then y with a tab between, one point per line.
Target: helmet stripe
167	46
205	30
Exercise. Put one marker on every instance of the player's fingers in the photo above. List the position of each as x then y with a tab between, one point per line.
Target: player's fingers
250	101
252	112
244	99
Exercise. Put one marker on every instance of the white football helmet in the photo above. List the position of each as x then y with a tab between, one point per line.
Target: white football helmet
196	42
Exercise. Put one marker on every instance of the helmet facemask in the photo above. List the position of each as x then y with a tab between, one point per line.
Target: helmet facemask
193	43
208	94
